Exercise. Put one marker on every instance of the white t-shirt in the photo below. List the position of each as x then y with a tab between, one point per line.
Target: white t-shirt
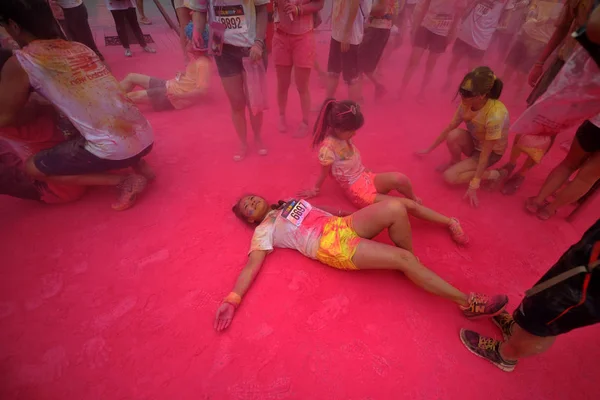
238	16
69	3
344	159
116	5
339	16
481	23
439	16
541	25
277	231
75	81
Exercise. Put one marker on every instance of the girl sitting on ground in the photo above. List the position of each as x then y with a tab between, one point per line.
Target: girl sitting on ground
343	243
337	123
485	138
177	93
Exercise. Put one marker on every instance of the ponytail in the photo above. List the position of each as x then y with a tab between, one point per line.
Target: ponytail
496	89
323	122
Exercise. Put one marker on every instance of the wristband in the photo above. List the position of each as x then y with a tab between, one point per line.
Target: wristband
234	299
474	184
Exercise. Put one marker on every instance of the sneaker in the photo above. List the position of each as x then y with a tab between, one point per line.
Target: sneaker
131	187
486	348
128	53
149	49
505	322
302	130
457	232
481	305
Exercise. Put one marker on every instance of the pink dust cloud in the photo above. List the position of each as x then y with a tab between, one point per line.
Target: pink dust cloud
96	304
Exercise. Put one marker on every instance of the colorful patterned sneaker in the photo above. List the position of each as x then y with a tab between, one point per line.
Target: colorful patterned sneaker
457	232
481	305
131	187
505	322
487	348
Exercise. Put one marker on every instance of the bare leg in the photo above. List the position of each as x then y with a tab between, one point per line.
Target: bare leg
583	182
284	77
413	61
133	80
459	142
333	80
523	344
390	215
139	97
234	87
355	90
419	211
184	17
386	182
374	255
432	60
452	68
302	78
559	175
256	121
106	179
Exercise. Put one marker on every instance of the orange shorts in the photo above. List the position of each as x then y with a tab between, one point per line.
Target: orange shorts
362	193
294	50
338	243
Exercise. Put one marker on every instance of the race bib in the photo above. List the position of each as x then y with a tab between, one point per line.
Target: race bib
484	7
232	17
442	21
296	211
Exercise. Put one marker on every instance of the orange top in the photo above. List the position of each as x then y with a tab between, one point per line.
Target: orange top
195	78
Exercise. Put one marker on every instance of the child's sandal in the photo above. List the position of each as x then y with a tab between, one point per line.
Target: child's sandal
544	214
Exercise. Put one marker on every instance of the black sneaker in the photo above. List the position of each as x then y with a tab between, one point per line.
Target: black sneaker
505	322
486	348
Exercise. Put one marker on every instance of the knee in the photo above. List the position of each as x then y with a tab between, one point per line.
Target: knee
396	208
401	179
450	177
454	137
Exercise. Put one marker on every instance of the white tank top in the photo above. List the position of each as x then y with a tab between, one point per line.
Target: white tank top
481	23
74	80
439	16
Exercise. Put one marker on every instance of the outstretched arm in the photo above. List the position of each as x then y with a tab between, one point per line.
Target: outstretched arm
317	188
442	136
232	301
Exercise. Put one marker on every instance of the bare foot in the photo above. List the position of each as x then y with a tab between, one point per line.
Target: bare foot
262	149
241	154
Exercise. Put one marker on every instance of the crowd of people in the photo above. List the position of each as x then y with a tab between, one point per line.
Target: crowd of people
66	123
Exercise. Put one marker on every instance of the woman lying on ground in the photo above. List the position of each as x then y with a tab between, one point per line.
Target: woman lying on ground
485	138
335	127
342	242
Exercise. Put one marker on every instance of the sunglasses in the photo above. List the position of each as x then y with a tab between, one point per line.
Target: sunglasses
466	94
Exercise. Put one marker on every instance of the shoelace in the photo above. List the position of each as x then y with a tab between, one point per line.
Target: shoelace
478	299
486	343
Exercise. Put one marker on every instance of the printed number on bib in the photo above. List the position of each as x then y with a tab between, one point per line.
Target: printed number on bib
442	21
232	17
484	7
296	211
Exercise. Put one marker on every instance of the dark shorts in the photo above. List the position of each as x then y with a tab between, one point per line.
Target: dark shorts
523	55
493	158
545	81
588	137
425	39
463	49
343	63
229	63
371	48
157	94
556	310
71	158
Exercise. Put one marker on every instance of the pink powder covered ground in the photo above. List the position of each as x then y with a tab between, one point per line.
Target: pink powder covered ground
96	304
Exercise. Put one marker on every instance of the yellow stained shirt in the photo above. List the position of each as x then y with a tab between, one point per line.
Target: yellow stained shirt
489	123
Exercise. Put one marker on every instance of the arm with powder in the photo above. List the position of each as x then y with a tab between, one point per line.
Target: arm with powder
226	311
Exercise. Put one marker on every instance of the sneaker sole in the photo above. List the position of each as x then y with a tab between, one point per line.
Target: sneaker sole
500	366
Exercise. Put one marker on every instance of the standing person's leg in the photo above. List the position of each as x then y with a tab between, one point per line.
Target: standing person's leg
548	312
120	24
351	73
77	19
437	46
283	60
184	17
304	57
369	55
413	61
137	31
140	9
334	68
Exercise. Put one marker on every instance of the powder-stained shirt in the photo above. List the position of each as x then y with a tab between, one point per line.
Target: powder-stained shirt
440	15
301	23
195	77
74	80
575	13
344	159
276	231
480	24
392	8
340	15
238	16
489	123
540	24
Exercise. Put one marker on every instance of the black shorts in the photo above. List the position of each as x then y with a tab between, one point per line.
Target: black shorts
555	310
71	158
157	94
425	39
463	49
229	63
371	48
343	63
523	55
588	137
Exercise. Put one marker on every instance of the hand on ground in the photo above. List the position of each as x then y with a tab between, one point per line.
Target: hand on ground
308	193
224	316
471	195
422	153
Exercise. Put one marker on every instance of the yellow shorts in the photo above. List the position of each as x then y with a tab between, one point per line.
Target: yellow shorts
535	146
338	243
